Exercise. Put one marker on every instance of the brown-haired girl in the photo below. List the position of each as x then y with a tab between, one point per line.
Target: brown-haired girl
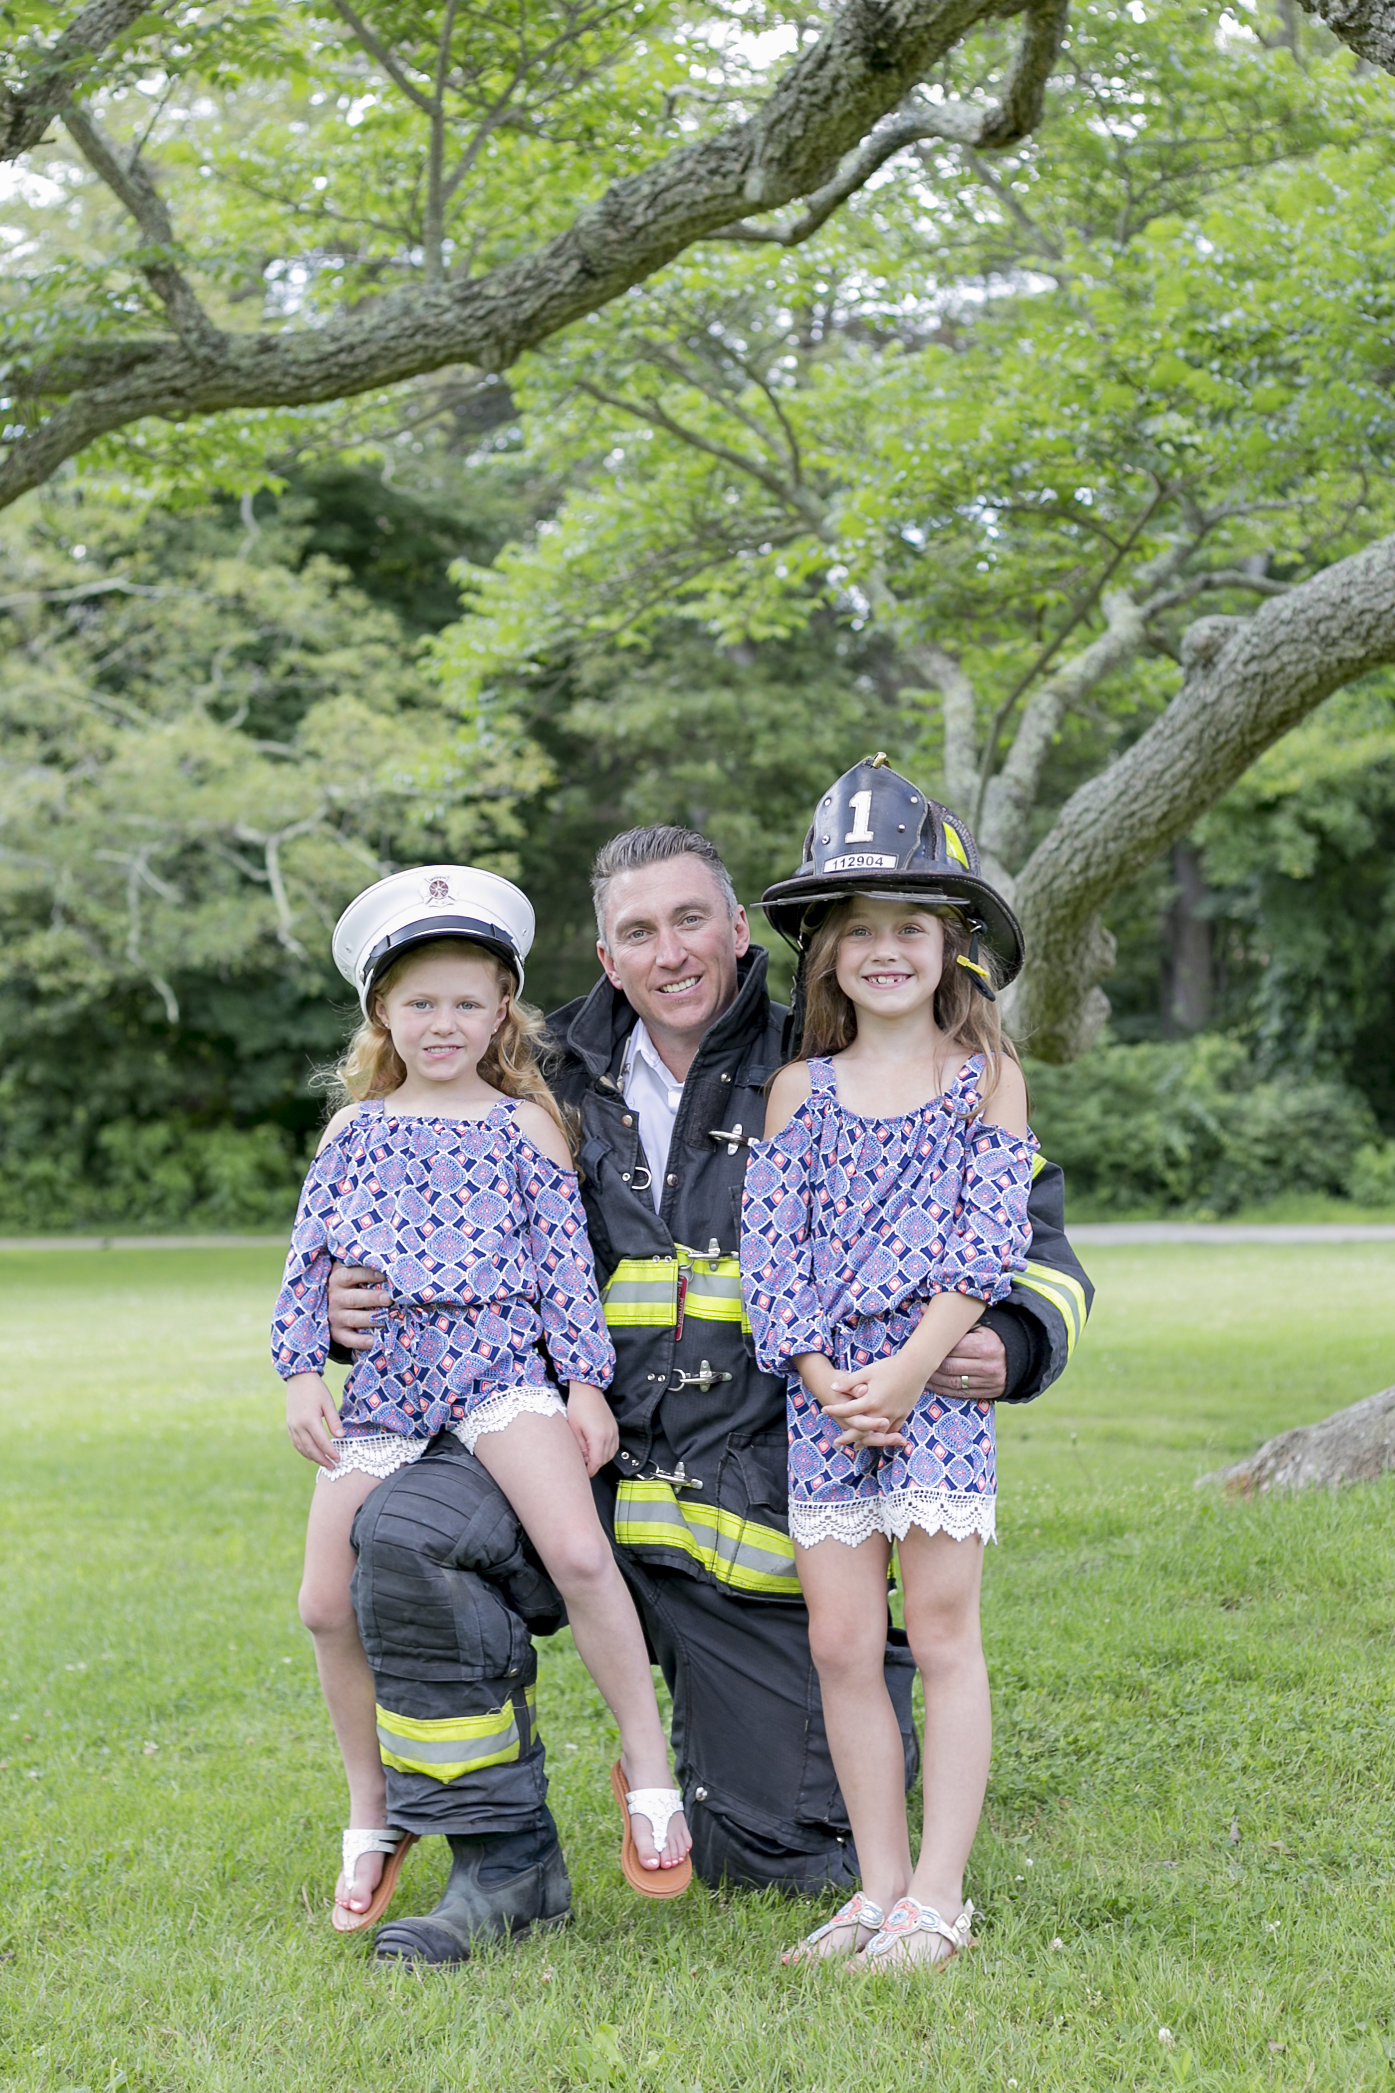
449	1172
885	1209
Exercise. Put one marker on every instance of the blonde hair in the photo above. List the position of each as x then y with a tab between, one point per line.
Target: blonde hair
514	1061
965	1017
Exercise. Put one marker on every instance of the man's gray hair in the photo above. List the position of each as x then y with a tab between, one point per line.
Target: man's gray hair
639	847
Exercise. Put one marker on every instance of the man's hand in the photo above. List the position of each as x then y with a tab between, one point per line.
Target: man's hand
312	1419
593	1425
356	1294
976	1370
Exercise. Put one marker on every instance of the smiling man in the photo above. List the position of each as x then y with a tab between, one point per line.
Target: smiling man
666	1064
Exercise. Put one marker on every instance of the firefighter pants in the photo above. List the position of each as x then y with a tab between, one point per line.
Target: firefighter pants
759	1790
447	1602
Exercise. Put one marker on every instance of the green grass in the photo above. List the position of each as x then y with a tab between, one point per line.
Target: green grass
1188	1826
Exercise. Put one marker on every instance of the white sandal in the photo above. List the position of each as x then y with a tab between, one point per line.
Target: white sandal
908	1918
858	1911
395	1845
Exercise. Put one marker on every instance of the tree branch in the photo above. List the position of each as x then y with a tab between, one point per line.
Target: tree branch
1080	611
830	97
1246	682
988	127
1368	26
26	110
959	712
130	183
376	48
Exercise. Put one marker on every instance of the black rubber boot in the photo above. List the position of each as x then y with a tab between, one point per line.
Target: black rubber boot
500	1886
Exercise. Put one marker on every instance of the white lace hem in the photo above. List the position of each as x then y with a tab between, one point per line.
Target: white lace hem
498	1411
856	1519
374	1453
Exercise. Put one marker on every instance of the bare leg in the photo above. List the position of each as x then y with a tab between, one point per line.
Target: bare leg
345	1680
942	1580
845	1589
538	1466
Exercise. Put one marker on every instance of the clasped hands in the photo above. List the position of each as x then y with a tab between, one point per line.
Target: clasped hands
872	1403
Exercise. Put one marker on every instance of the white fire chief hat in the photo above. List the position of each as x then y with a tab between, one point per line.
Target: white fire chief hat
430	902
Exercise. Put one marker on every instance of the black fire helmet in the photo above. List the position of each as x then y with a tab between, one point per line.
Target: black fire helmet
876	833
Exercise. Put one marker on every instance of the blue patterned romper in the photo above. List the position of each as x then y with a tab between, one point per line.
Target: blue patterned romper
483	1244
849	1226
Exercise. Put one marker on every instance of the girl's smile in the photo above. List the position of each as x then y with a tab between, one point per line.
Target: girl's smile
890	957
442	1014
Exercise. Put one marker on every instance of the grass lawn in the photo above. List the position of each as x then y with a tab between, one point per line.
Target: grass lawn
1186	1870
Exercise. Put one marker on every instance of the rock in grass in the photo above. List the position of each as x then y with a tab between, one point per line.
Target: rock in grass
1354	1445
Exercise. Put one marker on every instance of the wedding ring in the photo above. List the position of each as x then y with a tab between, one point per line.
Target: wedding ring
963	1380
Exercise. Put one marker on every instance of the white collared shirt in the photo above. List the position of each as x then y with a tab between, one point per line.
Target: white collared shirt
653	1093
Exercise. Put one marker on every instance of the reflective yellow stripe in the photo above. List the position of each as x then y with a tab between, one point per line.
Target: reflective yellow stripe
736	1551
1038	1165
642	1292
714	1289
444	1748
955	847
1065	1294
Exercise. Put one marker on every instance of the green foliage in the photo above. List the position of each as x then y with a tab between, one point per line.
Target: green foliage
1163	317
736	742
1187	1125
211	740
1192	1719
1302	855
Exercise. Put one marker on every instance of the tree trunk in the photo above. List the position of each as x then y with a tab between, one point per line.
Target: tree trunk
1352	1446
1187	947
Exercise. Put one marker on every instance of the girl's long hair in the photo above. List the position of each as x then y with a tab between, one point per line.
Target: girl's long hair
515	1061
965	1017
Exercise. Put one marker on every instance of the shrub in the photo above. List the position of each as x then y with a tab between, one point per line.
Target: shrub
1373	1174
150	1174
1191	1124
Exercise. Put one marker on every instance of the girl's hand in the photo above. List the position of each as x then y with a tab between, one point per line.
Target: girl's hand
310	1415
593	1425
874	1401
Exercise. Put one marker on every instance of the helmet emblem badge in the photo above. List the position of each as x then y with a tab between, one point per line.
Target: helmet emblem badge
438	890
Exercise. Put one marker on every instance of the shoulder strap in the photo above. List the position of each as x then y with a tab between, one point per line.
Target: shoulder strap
822	1080
371	1108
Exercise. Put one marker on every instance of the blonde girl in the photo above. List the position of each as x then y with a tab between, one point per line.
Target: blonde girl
449	1171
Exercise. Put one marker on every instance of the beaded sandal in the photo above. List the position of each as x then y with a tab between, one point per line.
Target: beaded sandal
907	1919
658	1805
395	1845
858	1911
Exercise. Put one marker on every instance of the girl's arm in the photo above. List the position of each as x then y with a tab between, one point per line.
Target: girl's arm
777	1252
569	1306
989	1243
300	1322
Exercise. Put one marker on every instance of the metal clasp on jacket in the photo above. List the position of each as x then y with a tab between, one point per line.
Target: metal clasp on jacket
733	1136
705	1378
678	1477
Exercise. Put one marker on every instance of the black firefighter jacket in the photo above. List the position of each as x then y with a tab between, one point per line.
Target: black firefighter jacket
699	1483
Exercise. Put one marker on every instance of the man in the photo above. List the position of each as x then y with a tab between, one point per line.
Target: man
666	1063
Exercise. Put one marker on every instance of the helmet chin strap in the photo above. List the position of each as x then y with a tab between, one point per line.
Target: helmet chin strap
974	968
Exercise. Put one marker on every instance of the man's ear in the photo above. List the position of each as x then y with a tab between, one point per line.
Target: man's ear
607	964
741	933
